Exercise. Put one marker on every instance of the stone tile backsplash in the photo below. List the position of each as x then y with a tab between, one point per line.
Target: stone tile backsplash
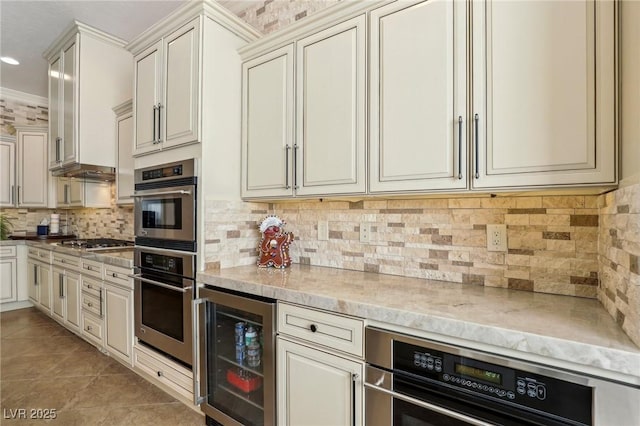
18	113
272	15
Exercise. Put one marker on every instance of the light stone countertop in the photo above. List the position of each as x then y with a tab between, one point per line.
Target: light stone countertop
563	331
117	257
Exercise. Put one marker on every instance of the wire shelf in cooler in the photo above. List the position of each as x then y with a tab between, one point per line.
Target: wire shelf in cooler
244	366
238	318
246	397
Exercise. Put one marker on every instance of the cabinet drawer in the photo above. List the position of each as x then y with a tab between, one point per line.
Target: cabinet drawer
7	251
92	304
119	276
43	255
92	268
92	328
66	261
334	331
92	287
171	374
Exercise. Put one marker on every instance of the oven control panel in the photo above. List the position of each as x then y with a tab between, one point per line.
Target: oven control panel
489	381
162	172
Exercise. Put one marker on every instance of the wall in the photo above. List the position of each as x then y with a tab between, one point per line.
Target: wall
271	15
619	257
21	109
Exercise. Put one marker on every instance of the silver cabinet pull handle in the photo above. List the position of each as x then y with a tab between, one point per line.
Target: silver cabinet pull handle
460	147
35	274
58	145
60	286
18	194
139	194
13	193
295	166
159	123
287	148
477	119
154	123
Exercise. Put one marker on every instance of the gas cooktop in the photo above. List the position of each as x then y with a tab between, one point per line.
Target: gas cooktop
95	244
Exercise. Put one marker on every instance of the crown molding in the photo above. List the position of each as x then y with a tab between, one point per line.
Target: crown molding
78	27
27	98
126	106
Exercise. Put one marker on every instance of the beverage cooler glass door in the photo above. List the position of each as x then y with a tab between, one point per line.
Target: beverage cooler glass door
237	358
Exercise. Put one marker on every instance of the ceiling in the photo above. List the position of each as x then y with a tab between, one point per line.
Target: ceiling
27	28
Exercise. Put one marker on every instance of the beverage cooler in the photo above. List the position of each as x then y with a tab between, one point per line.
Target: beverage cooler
235	358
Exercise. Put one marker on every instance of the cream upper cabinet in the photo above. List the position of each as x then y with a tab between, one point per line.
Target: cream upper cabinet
24	169
267	124
7	172
544	93
32	167
89	72
167	91
124	156
329	151
417	97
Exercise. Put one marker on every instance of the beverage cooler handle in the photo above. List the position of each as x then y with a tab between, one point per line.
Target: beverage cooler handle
195	328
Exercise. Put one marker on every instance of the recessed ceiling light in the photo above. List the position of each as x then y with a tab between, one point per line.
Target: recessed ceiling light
9	60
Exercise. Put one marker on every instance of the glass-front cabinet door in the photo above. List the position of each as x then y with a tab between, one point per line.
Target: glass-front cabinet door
237	358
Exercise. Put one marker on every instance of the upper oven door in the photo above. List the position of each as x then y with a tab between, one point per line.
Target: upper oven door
167	213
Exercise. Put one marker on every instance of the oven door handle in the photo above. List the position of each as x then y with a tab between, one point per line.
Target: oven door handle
428	406
159	284
139	194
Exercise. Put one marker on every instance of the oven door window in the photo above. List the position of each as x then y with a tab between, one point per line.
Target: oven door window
162	213
405	414
162	310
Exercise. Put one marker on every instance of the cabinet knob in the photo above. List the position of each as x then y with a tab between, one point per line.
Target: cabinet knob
114	275
313	328
89	286
89	304
159	373
89	268
88	328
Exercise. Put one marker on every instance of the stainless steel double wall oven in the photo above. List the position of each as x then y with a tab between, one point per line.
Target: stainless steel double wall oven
165	257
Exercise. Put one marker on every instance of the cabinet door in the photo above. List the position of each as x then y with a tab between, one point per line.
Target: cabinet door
267	125
8	280
180	112
33	172
70	96
543	93
317	388
330	118
55	101
148	83
76	192
32	281
44	282
72	294
58	290
124	170
7	173
119	319
418	96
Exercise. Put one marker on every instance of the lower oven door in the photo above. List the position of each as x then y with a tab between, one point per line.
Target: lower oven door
394	401
163	314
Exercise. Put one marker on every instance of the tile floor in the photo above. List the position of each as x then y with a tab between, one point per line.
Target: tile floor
44	366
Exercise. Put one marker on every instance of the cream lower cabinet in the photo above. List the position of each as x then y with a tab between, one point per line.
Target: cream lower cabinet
8	274
319	367
317	387
39	278
118	305
66	291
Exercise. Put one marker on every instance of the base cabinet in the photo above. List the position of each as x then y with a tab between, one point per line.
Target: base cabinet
8	275
316	387
119	322
66	297
39	281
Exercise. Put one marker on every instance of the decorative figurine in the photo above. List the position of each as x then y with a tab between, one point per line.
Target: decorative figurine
274	246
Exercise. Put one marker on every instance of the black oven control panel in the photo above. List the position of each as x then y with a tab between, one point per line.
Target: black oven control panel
462	375
162	172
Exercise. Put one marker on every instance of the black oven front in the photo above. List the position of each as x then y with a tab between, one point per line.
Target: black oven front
165	206
164	287
417	382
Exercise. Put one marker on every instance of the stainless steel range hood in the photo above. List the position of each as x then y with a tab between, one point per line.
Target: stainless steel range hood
86	171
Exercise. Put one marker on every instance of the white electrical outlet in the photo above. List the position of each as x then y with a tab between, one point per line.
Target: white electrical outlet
323	230
365	232
497	237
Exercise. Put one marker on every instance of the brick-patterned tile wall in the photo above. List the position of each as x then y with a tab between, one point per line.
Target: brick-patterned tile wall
18	113
552	240
272	15
619	258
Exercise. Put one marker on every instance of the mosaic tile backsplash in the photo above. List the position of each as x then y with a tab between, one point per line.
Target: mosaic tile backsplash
18	113
619	257
272	15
